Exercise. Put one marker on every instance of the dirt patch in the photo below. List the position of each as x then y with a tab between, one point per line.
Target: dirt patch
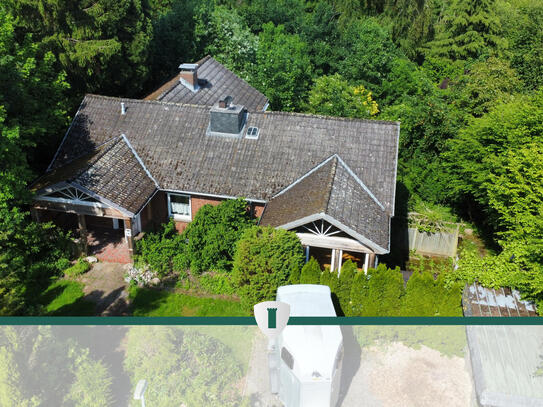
402	376
105	286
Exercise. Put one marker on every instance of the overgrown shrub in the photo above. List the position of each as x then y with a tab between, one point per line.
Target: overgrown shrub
265	259
345	282
159	248
82	266
62	264
212	236
378	293
330	279
311	272
425	296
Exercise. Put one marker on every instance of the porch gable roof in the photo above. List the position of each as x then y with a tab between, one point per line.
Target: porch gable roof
331	191
112	173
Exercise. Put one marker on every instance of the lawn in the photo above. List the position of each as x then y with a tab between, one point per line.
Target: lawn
154	303
65	297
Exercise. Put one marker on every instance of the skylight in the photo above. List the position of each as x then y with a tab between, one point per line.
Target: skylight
252	133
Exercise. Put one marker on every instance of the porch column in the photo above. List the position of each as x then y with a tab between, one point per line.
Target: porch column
306	254
372	260
82	223
366	262
128	235
339	261
333	261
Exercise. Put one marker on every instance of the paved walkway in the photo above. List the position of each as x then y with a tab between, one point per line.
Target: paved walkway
105	286
108	245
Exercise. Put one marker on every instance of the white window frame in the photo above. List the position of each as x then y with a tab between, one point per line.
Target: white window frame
184	218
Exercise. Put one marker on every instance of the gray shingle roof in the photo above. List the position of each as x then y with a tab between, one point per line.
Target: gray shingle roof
111	171
332	189
171	140
215	81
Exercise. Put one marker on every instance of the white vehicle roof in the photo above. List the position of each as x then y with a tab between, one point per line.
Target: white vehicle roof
313	347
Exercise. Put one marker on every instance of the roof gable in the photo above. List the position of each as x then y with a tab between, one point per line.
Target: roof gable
215	82
332	190
113	172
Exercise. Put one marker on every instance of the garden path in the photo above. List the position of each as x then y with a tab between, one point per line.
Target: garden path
105	286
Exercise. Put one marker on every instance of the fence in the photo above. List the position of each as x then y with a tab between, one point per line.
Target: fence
442	241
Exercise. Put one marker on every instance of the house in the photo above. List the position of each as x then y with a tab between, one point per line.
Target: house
125	163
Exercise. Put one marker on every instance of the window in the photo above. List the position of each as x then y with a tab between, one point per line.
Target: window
287	358
179	206
252	132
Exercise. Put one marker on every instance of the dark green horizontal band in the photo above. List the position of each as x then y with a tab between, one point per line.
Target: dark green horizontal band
251	321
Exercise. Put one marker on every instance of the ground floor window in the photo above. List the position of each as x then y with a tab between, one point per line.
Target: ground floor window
179	206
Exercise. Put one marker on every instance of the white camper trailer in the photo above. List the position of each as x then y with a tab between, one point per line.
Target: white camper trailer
305	361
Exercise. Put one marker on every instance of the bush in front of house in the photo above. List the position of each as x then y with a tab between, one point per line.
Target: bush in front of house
159	248
345	282
265	259
311	272
212	236
82	266
377	293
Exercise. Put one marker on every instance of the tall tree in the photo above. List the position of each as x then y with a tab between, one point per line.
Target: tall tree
102	44
283	69
468	29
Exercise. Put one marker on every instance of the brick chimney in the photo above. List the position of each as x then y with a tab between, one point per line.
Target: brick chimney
189	76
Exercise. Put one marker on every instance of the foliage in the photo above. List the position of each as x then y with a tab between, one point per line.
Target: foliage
345	282
425	296
212	236
486	84
140	276
282	70
159	248
523	31
102	45
82	266
330	279
92	384
311	272
222	33
216	283
378	293
147	302
182	366
28	356
469	29
333	96
265	259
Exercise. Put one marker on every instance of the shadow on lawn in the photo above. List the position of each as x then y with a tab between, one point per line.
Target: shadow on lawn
75	302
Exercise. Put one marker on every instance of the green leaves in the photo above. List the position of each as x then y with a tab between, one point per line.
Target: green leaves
265	259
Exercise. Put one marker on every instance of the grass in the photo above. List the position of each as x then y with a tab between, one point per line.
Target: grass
66	298
78	268
154	303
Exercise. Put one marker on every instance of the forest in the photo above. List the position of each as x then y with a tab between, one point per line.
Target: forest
464	78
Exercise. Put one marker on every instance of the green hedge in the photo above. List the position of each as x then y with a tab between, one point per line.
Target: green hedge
265	259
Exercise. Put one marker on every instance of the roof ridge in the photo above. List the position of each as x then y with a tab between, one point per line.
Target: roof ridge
359	181
305	175
140	161
267	112
330	183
